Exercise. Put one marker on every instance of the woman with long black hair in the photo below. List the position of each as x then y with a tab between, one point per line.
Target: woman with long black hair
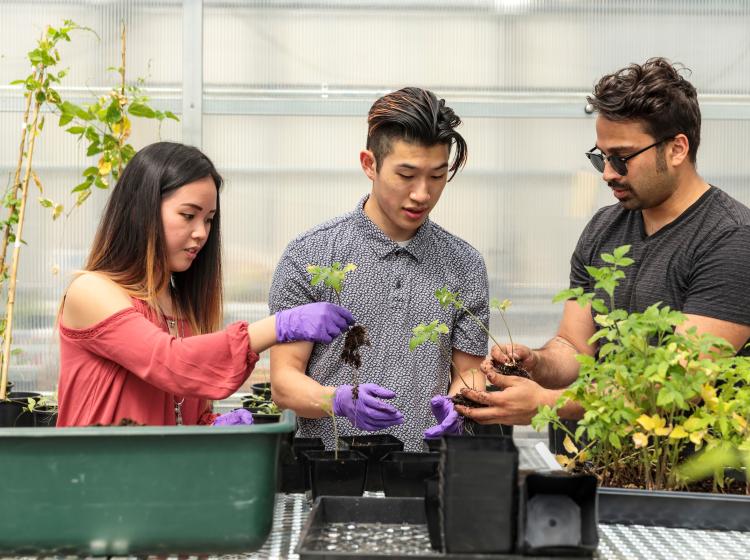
140	326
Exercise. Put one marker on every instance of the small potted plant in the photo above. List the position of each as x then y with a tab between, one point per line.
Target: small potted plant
339	472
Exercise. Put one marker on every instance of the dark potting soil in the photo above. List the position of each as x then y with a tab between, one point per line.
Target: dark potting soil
463	401
511	369
355	337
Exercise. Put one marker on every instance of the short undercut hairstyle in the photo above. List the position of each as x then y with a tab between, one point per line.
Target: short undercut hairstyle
655	94
415	116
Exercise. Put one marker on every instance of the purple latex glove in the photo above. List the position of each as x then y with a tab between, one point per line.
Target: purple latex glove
237	417
450	421
366	412
314	322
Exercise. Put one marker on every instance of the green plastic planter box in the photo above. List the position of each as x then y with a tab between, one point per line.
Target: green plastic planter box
138	490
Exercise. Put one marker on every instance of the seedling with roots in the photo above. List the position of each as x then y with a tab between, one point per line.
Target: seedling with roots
431	332
356	336
446	298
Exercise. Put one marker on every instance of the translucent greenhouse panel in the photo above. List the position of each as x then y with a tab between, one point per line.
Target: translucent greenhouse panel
55	249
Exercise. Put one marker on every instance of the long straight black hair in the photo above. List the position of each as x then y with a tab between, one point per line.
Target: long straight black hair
130	247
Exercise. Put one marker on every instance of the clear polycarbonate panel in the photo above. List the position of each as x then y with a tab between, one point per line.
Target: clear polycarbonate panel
53	250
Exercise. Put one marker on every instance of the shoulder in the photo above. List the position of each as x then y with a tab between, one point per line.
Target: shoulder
459	249
315	240
91	298
728	210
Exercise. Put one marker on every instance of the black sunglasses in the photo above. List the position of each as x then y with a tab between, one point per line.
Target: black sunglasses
618	163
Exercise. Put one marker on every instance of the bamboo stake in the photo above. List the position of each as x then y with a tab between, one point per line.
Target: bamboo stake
120	140
17	248
16	184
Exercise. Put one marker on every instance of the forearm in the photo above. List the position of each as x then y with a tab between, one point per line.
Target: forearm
262	334
302	394
555	364
470	378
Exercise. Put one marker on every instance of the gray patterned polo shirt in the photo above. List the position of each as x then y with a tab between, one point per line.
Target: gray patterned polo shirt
390	293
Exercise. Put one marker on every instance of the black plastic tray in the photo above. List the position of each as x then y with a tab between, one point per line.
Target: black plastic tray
687	510
339	509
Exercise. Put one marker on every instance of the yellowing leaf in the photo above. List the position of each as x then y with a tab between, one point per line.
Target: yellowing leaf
663	431
565	462
57	211
122	128
37	182
697	437
651	423
569	446
739	421
692	424
640	440
104	167
678	432
708	394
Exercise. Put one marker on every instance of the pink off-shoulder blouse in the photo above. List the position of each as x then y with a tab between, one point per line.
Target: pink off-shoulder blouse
130	366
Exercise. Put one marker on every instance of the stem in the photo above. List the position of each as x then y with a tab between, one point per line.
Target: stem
485	329
122	92
17	248
507	328
15	186
335	437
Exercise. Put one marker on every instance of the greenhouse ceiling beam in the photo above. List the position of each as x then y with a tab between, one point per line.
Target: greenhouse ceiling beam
351	103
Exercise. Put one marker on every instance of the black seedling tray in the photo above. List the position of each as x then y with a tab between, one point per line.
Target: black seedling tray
353	510
687	510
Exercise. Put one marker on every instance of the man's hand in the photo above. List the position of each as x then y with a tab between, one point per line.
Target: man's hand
517	403
523	356
449	422
367	412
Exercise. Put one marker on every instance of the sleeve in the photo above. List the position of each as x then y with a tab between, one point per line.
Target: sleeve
467	335
581	258
719	284
210	366
290	286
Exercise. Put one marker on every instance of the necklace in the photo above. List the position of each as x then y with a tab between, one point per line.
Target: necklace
173	328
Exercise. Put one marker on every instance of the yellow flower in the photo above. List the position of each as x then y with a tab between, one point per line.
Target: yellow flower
640	440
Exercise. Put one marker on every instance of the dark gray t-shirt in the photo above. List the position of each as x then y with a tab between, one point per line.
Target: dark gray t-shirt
698	264
390	293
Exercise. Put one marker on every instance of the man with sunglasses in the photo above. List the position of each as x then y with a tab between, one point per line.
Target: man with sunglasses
690	240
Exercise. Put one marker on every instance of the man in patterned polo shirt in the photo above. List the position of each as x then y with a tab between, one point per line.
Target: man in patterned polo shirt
402	258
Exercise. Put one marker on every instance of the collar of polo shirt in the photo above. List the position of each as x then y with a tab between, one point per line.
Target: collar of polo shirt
384	245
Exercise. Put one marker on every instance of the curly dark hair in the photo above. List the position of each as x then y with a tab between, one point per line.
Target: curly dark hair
657	95
416	116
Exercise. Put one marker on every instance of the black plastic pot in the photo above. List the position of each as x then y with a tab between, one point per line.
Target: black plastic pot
374	447
404	473
293	464
432	445
558	515
688	510
331	476
477	494
261	418
14	412
45	416
262	389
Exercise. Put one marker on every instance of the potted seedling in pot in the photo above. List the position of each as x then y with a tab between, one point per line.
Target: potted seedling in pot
651	396
338	472
372	446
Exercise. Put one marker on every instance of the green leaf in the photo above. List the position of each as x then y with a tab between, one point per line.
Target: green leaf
141	110
76	130
93	170
86	185
113	113
93	149
621	251
614	440
171	115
